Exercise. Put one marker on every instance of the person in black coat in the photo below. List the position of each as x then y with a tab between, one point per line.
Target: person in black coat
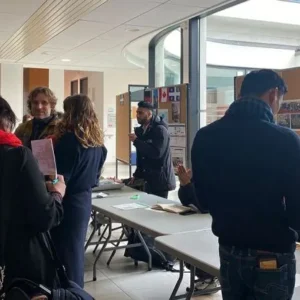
80	155
187	196
27	209
154	161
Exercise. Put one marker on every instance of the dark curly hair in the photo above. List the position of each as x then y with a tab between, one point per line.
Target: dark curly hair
8	118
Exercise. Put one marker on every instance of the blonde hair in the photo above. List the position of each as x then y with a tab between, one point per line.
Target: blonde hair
80	117
42	90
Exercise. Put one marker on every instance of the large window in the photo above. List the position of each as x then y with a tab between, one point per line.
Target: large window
168	59
220	90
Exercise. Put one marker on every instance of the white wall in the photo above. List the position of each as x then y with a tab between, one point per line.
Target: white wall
11	87
57	85
116	82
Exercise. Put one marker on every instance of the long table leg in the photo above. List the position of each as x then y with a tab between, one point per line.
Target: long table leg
117	245
93	232
146	249
179	281
102	249
192	283
100	239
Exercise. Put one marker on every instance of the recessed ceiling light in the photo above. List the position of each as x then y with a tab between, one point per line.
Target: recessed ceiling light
66	60
132	29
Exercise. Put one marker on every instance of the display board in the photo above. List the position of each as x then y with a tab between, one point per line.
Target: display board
289	113
123	128
171	104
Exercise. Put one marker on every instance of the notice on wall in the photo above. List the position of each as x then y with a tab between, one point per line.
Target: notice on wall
177	129
176	112
43	152
111	120
178	156
164	114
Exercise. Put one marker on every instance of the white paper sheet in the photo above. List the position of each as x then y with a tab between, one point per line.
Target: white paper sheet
177	129
178	156
43	151
178	141
129	206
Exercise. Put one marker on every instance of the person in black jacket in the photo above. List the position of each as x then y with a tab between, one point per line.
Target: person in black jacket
80	155
187	196
246	169
154	162
27	209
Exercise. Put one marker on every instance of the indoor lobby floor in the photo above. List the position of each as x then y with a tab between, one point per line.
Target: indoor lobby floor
122	280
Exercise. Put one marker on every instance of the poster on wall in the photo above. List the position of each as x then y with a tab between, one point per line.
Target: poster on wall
164	114
176	112
174	94
178	156
290	107
284	120
295	121
164	94
178	135
121	100
155	98
111	120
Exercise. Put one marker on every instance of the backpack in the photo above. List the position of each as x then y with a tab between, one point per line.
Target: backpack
160	259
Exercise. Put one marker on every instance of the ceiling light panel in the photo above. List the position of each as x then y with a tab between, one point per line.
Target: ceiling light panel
52	18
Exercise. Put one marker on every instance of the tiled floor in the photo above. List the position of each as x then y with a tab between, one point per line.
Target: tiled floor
123	281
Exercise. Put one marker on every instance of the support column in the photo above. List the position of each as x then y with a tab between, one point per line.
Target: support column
57	85
11	87
185	55
196	106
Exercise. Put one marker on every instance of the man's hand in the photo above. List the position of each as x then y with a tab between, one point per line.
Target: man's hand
132	137
184	175
131	180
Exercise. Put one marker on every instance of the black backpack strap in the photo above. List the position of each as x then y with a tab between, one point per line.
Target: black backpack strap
46	241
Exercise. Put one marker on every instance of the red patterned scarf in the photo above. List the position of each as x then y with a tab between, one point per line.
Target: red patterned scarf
9	139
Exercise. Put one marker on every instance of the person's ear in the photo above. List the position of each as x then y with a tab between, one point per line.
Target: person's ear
273	97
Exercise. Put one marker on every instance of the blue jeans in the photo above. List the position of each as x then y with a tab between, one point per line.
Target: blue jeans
242	279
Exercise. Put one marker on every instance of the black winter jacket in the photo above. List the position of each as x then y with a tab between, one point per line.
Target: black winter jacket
27	210
154	161
247	171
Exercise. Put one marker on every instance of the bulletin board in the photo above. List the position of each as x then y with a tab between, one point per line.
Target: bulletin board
169	103
289	113
122	128
182	104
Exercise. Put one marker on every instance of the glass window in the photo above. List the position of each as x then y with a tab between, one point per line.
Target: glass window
220	90
168	59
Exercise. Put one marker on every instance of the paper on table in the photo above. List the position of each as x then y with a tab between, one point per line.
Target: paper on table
43	152
130	206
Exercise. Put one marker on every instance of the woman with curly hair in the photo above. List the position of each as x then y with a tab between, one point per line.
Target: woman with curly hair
80	154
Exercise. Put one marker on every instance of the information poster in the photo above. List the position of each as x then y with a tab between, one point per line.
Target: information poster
164	114
178	144
178	156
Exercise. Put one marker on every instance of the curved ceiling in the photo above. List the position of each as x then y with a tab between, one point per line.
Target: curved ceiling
85	34
248	26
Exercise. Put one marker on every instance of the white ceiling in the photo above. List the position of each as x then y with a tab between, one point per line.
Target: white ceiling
90	33
235	26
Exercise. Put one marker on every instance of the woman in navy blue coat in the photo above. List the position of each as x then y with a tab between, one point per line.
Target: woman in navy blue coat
80	155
